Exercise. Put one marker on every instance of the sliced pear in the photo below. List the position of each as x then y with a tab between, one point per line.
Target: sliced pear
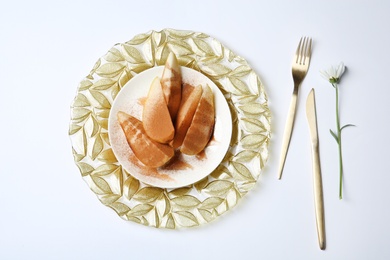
201	128
171	85
156	119
149	152
186	112
185	92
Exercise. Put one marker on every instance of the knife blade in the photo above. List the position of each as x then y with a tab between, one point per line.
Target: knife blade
317	179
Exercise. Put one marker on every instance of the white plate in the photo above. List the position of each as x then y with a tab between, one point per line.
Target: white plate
191	168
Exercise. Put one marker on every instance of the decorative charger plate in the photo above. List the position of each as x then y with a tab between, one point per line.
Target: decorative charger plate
194	204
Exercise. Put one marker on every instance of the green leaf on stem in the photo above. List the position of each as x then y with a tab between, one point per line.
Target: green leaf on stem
334	135
346	126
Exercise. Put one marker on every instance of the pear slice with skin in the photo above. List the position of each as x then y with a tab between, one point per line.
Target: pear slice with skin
186	113
156	119
171	84
202	125
150	153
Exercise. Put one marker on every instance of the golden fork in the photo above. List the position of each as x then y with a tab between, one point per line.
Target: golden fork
300	67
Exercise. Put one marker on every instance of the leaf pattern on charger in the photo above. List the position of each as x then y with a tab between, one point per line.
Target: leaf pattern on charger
210	197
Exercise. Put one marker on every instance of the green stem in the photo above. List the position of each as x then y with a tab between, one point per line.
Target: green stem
339	142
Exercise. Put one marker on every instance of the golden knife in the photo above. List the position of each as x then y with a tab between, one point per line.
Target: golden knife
317	179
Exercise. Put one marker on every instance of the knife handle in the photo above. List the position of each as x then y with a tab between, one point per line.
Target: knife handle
318	196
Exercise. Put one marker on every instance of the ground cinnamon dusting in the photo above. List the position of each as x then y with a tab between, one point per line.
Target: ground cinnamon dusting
177	163
202	155
141	101
153	172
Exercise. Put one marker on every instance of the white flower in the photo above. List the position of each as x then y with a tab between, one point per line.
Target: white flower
333	75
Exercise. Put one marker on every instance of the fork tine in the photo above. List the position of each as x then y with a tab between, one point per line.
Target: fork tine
308	53
297	53
303	52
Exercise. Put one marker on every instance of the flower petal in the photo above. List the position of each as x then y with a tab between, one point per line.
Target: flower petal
333	73
325	75
340	70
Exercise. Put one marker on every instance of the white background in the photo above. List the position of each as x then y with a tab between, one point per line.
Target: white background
47	210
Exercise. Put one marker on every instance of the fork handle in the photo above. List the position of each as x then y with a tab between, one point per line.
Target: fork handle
288	129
